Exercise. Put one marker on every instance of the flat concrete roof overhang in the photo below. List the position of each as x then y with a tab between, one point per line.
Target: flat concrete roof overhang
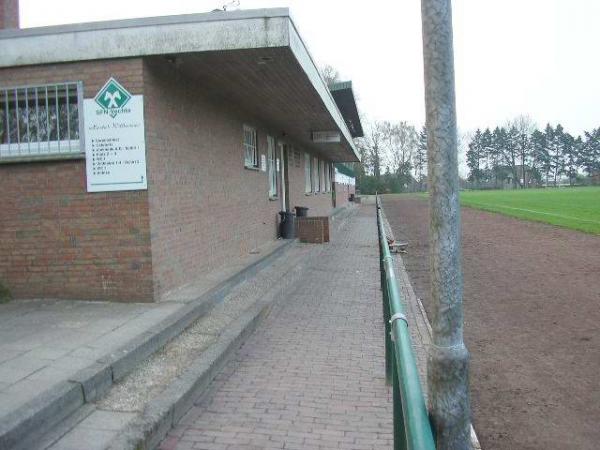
255	58
343	94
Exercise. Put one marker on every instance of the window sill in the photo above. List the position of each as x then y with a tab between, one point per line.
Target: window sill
308	193
41	157
273	198
255	169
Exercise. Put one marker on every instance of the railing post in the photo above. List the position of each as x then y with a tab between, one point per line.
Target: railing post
389	346
400	442
448	357
386	303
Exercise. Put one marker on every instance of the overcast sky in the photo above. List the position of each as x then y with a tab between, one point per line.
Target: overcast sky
535	57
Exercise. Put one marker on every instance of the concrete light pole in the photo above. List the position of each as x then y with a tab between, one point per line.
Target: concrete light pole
448	360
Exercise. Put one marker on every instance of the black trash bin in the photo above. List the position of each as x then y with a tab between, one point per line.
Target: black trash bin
286	226
301	211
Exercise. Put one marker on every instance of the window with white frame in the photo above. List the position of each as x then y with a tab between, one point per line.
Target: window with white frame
319	173
316	177
308	187
39	121
327	177
250	147
272	166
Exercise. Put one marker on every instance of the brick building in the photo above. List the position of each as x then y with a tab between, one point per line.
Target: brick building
235	124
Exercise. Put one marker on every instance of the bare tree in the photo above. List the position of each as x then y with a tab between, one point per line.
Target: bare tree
420	157
330	74
402	140
462	146
371	148
376	136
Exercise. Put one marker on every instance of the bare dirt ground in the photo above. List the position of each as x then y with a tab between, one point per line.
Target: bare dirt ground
532	324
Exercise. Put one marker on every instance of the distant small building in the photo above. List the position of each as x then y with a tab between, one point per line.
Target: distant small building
137	155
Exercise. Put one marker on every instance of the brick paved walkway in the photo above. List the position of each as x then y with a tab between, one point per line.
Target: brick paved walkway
312	376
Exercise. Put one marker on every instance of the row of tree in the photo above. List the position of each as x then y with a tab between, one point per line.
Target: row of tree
394	158
523	156
518	155
394	155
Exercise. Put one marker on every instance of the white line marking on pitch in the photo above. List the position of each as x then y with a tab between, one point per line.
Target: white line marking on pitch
539	212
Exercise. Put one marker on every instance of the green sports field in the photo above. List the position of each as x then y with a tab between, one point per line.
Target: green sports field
575	208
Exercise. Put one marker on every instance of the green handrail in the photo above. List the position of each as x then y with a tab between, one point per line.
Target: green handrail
412	428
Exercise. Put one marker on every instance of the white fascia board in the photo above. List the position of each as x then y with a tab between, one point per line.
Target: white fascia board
310	68
168	35
145	37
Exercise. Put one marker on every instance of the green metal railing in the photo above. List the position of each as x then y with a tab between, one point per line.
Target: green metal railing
412	429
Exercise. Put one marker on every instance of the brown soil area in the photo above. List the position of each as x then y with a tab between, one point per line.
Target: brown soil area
532	324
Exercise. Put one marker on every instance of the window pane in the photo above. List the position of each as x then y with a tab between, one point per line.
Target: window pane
250	148
322	175
307	173
39	120
272	173
315	174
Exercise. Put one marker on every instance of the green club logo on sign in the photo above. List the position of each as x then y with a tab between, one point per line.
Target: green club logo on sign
112	97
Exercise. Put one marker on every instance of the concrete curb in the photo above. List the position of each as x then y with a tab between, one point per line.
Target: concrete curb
38	416
146	344
41	413
162	413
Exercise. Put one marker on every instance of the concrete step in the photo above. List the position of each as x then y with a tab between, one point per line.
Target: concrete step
90	409
27	423
137	411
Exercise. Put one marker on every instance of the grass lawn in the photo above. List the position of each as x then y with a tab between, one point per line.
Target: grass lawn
575	208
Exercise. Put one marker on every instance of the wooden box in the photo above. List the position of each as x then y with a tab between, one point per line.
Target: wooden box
313	230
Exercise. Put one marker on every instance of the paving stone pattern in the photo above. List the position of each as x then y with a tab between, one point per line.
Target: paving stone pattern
312	376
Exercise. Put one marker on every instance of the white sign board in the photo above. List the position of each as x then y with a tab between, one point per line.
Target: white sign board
115	147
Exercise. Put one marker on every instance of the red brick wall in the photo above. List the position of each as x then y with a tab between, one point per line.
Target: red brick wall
205	207
202	207
9	14
56	240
